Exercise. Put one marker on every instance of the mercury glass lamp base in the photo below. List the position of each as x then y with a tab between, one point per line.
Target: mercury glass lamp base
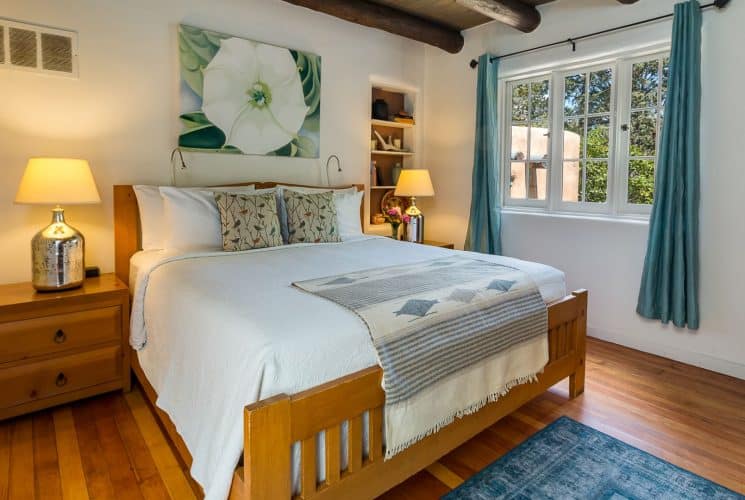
57	255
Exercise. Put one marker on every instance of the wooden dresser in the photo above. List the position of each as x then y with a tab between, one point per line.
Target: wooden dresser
57	347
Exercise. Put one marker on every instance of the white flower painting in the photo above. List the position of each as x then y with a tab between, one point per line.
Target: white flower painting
241	96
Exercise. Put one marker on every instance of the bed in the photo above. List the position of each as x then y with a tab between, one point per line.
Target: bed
285	445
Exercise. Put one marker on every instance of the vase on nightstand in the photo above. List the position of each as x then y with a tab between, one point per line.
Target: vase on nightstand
394	230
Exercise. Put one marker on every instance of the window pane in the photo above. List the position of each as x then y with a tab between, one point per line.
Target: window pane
643	133
574	95
517	180
598	129
538	175
596	181
539	143
539	101
644	82
665	78
574	131
641	181
572	183
520	103
600	88
519	146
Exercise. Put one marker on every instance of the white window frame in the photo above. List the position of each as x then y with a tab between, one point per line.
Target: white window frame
507	142
587	206
624	207
616	205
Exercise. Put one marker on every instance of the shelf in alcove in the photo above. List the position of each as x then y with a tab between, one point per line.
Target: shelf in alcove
386	123
392	153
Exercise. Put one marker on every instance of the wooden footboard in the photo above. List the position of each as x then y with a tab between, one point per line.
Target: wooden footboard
273	425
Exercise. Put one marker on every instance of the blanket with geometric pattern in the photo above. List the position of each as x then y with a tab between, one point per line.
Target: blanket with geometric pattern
451	335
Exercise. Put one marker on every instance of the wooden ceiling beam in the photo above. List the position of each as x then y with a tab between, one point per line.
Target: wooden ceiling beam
388	19
515	13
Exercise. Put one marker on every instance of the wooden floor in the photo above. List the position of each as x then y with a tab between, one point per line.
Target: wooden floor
112	447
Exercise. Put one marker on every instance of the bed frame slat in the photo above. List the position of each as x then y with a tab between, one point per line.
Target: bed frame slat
308	474
333	455
354	445
375	435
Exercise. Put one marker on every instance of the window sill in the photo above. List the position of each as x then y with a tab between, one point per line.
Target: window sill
623	219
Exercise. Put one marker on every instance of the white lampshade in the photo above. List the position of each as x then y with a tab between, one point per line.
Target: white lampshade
414	182
50	181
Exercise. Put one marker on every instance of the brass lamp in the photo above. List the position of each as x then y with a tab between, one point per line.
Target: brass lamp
58	250
414	183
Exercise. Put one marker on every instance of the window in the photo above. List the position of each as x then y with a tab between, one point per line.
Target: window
529	139
609	115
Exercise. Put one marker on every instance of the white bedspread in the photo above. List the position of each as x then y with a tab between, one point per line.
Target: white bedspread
220	330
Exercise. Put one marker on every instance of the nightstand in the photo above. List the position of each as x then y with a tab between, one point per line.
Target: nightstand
57	347
440	244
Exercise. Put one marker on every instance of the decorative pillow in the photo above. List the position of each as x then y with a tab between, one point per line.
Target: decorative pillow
311	217
305	190
248	221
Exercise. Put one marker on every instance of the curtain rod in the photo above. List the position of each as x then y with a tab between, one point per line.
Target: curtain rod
719	4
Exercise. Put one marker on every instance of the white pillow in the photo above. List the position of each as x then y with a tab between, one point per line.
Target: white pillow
348	214
151	216
191	220
282	209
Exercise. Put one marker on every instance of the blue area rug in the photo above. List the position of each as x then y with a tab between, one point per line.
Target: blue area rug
570	460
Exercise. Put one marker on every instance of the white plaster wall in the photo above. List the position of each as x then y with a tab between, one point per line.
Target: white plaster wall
606	256
121	114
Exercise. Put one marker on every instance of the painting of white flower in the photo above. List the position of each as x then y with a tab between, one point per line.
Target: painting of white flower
242	96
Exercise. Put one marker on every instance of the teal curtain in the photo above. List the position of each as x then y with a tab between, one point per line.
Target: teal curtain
485	220
669	287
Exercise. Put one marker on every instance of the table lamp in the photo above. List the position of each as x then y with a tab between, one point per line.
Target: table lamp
413	183
58	250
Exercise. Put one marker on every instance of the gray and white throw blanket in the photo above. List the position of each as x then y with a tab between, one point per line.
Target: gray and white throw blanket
451	335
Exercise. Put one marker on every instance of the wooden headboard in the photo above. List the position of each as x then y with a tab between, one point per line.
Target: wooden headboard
127	233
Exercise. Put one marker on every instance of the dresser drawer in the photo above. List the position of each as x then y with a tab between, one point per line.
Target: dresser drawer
50	334
42	379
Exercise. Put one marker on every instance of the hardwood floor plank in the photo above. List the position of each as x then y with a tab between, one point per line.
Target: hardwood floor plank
150	483
4	460
91	453
46	464
167	464
72	476
21	460
445	475
115	455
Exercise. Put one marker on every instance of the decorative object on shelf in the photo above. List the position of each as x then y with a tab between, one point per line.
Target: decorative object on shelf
380	109
414	183
387	146
373	144
396	172
232	86
378	219
395	217
374	173
57	251
397	144
404	117
390	200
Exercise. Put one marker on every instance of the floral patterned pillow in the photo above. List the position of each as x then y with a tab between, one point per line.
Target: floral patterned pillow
311	217
248	221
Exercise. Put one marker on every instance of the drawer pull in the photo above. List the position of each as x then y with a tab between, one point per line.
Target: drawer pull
60	337
61	380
